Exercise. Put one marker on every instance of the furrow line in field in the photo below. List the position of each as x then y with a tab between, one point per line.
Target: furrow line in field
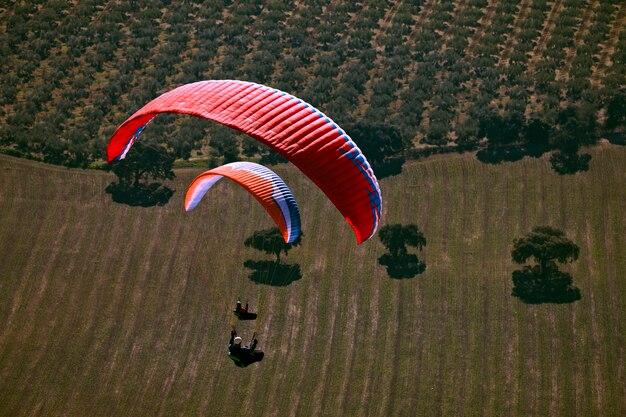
200	349
580	318
137	335
466	337
118	347
505	223
576	366
39	330
17	237
510	332
595	330
394	333
320	394
351	339
84	292
367	393
291	344
614	245
307	339
273	386
532	362
12	213
419	353
13	339
178	330
444	320
290	341
369	329
425	201
104	324
386	378
541	216
441	360
209	389
554	368
168	293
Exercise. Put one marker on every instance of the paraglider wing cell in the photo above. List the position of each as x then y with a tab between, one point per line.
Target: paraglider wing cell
267	187
293	128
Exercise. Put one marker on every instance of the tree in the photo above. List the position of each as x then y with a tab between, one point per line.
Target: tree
225	146
270	241
500	130
576	126
536	135
268	272
145	162
616	111
437	132
381	144
467	134
544	282
396	237
400	263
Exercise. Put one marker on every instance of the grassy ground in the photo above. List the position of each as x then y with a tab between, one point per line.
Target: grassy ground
108	310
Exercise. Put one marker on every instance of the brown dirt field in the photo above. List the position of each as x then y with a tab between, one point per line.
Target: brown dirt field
111	310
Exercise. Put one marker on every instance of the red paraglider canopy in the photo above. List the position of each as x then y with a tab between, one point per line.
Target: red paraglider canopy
264	184
293	128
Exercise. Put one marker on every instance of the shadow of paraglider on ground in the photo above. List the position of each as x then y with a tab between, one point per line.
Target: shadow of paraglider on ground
273	273
402	266
142	195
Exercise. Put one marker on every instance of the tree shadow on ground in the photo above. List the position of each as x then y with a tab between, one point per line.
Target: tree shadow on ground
403	266
509	153
273	273
389	167
616	138
564	163
142	195
499	154
553	287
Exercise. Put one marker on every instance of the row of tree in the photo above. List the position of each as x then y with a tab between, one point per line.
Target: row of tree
71	73
542	282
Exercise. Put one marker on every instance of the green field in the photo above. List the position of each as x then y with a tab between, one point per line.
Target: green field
108	310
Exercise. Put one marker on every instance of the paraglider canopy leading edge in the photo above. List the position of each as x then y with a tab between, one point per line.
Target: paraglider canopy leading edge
293	128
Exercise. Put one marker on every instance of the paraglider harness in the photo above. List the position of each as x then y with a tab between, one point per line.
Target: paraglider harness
243	356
